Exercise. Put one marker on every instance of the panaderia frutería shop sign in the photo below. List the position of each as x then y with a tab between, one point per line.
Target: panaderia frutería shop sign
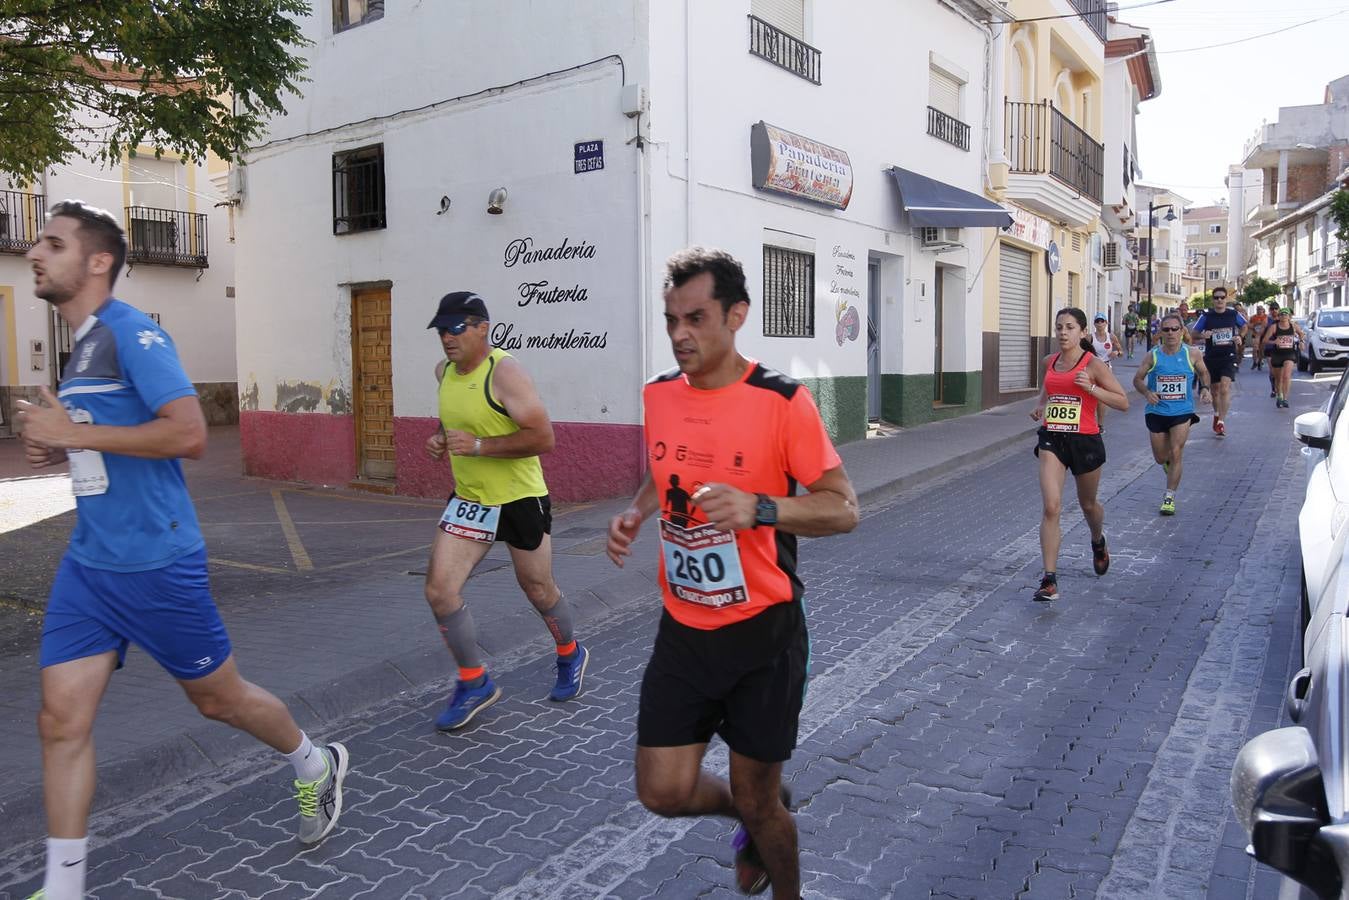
791	164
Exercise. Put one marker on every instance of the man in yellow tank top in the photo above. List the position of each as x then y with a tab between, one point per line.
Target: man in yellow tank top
493	426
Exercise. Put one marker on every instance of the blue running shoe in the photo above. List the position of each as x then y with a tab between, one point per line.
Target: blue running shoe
570	673
466	702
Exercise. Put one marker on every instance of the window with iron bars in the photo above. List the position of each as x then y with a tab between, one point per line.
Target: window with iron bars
358	190
788	293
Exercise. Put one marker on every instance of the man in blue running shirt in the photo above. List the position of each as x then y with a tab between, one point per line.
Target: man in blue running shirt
135	571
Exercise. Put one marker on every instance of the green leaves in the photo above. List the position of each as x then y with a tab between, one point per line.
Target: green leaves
1339	211
92	79
1258	290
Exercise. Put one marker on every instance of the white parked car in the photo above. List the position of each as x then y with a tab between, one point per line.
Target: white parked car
1290	786
1328	338
1325	507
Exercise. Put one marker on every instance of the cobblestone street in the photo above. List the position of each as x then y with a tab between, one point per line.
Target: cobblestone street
958	740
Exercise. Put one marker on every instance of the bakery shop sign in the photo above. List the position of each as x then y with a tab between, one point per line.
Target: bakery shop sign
790	164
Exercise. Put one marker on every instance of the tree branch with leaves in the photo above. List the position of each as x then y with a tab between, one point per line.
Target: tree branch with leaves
98	79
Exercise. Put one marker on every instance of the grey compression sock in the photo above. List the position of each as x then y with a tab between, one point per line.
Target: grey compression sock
558	620
461	637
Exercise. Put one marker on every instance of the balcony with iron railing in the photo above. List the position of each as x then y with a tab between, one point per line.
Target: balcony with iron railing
1093	13
784	50
948	128
166	237
1053	165
21	218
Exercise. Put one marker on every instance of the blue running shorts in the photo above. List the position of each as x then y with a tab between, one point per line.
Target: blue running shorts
167	612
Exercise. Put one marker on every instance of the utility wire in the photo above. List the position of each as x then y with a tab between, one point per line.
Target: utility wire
1079	15
1256	36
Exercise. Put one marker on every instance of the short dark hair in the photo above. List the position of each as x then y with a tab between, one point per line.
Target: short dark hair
1217	289
728	276
99	232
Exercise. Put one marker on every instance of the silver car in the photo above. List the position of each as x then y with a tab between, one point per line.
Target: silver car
1328	338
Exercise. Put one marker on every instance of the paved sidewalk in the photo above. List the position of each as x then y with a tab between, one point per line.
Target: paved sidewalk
353	629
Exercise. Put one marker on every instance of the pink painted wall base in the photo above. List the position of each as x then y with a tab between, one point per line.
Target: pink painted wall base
589	461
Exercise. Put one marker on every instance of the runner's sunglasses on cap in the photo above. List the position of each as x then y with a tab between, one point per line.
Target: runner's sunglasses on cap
454	311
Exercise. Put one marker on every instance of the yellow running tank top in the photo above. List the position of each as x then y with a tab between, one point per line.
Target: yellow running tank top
467	404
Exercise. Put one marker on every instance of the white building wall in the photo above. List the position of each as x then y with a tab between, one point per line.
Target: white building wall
192	304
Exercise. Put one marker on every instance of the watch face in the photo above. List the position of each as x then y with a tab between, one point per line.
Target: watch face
767	512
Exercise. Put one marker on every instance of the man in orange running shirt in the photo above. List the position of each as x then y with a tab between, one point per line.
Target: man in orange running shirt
731	651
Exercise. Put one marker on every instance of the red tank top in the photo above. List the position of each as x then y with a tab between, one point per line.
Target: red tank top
1069	409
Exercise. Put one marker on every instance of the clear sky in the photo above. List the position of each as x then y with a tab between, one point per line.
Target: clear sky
1212	101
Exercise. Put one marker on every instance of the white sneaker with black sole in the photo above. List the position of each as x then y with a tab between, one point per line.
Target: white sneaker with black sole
321	800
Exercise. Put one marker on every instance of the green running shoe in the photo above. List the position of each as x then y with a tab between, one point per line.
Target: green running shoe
1168	506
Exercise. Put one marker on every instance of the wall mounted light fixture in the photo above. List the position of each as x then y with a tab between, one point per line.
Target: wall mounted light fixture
496	201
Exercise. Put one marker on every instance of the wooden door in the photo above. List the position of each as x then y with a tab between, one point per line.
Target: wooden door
372	361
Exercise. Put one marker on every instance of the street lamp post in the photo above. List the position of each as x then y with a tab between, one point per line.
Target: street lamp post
1170	217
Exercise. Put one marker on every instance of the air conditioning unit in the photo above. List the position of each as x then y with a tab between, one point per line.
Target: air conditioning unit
941	237
1110	255
237	184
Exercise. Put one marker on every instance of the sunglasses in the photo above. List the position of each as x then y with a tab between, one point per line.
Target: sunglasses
1170	328
455	330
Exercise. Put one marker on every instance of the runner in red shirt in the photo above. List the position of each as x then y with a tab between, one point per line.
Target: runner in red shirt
1075	382
729	440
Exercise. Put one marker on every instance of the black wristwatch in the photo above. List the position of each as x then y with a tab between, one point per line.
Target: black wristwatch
766	512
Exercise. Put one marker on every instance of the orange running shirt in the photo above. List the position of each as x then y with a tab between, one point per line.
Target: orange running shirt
761	434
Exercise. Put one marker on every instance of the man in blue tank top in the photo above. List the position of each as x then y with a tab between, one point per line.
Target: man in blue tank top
1167	378
135	571
1221	329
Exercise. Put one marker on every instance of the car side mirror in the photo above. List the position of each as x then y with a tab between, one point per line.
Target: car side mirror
1313	429
1280	798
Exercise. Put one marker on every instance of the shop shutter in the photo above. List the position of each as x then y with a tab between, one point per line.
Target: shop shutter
789	15
1014	344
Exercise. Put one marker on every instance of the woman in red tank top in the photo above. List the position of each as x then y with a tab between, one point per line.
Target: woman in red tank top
1075	383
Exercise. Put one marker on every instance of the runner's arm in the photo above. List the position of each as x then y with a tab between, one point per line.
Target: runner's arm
623	527
829	506
1102	384
178	430
515	390
1141	379
1201	372
1039	410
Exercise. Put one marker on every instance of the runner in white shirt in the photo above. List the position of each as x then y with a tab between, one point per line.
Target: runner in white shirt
1107	346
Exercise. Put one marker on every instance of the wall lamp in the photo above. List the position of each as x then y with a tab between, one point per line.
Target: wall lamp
496	201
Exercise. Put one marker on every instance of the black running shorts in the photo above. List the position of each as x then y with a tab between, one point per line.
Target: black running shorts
1079	453
744	681
523	522
1160	424
1279	357
1222	367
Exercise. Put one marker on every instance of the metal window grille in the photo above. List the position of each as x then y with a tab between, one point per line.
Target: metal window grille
21	218
948	128
358	190
62	341
788	293
166	237
769	42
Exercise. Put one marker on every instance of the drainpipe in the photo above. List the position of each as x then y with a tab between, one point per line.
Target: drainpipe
688	122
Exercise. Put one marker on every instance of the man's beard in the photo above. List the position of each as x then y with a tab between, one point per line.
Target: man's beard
58	294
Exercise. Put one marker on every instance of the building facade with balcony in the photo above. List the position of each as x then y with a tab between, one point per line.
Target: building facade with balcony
179	270
1161	250
1132	77
551	158
1206	246
1301	254
1048	168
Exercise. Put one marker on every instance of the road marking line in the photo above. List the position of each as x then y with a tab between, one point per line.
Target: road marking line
370	559
297	551
251	566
